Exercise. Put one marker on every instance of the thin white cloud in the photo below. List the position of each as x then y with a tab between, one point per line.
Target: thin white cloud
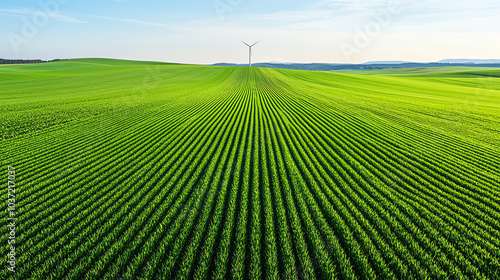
411	7
310	19
351	5
68	19
293	16
345	14
30	12
132	21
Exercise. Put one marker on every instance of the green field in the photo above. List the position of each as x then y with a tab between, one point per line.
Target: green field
428	71
141	170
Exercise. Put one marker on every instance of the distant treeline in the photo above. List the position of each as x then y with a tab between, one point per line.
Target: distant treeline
20	61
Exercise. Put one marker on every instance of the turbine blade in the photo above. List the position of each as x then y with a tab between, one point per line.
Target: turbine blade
254	44
245	43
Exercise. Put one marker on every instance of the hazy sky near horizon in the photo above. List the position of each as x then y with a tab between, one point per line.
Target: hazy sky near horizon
210	31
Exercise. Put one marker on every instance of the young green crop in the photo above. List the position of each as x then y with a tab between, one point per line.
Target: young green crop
140	170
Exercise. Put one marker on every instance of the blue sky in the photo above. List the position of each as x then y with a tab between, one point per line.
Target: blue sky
210	31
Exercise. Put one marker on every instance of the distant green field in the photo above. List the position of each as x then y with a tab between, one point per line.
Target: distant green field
144	170
441	71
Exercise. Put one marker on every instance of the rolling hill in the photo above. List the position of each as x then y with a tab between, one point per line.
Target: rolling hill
143	170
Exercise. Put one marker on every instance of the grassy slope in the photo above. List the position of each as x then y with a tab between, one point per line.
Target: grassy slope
419	71
56	93
452	100
427	142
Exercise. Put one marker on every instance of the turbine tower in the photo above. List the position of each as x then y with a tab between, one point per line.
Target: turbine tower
250	53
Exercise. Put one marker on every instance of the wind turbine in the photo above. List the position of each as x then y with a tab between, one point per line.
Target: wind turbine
250	53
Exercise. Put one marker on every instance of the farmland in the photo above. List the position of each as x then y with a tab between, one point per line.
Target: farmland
142	170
